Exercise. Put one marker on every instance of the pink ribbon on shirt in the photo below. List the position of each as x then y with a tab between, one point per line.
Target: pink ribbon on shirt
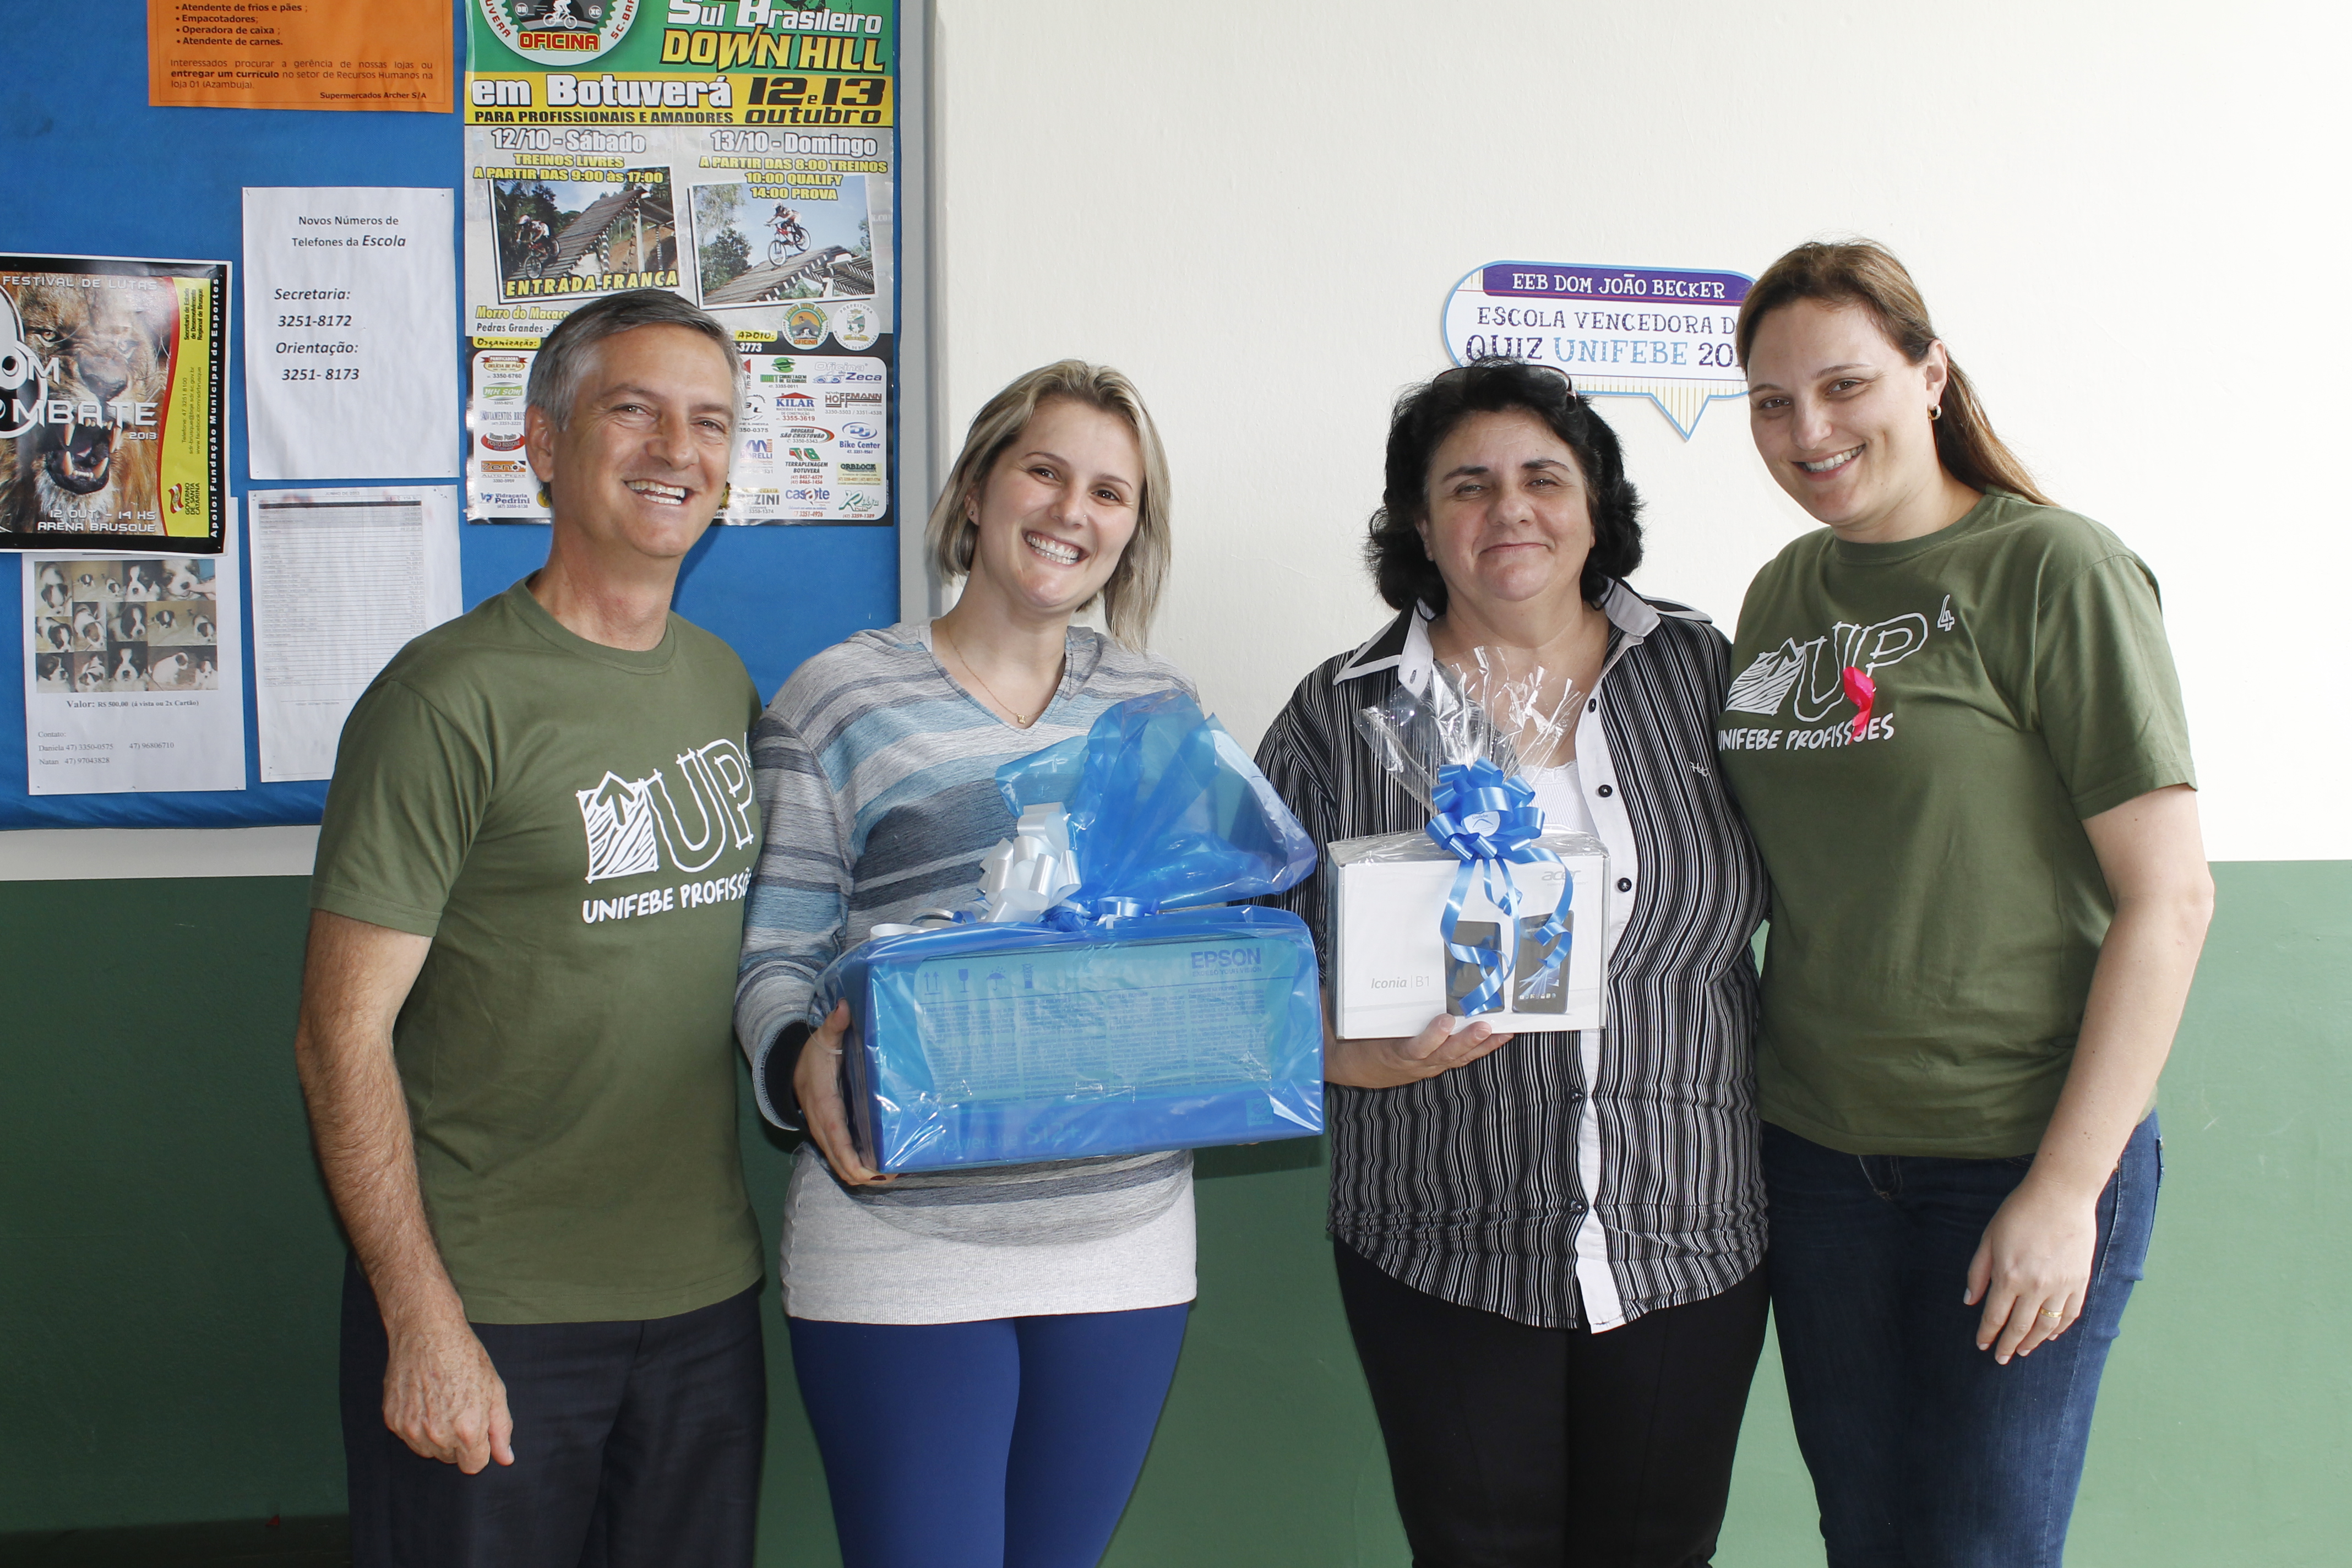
1861	691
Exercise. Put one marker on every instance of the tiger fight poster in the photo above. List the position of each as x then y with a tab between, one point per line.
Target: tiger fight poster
113	392
742	155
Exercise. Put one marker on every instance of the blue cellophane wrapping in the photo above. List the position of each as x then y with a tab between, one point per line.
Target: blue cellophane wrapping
1107	1028
984	1045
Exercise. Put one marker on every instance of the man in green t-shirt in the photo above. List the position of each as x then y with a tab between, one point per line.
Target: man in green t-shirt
515	1037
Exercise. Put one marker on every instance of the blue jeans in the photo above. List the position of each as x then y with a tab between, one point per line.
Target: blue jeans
1925	1453
1007	1443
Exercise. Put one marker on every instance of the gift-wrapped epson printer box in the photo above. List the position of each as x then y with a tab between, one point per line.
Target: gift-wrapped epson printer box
1484	914
1086	1005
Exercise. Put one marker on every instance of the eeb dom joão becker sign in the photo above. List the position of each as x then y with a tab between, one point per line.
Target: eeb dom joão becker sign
1663	333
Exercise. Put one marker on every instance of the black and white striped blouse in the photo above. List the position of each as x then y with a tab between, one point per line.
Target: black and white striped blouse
1567	1179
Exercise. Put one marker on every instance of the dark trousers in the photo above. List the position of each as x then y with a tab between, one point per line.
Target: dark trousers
637	1445
1925	1452
1512	1447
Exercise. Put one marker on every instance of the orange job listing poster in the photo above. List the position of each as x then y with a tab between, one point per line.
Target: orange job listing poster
300	53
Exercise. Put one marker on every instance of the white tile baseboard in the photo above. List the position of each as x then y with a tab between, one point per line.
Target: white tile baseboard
79	853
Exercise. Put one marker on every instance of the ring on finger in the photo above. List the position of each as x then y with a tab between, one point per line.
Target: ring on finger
2052	1314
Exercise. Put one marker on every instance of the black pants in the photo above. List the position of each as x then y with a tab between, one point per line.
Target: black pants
1512	1447
637	1445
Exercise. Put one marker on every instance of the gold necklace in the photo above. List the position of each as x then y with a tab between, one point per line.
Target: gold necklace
1020	721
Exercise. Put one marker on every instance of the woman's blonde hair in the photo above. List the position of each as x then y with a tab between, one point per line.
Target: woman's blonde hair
1864	272
1131	596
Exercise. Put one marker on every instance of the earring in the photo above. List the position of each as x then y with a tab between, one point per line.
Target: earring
1935	413
545	501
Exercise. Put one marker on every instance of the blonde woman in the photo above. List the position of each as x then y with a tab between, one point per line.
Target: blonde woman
984	1355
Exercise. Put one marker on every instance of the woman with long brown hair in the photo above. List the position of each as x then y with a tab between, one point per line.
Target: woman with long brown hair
1955	733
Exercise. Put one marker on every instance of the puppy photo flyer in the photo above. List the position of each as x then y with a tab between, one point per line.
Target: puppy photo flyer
342	284
113	404
743	156
133	680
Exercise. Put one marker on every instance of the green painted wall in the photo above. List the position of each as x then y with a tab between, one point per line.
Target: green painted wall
168	1267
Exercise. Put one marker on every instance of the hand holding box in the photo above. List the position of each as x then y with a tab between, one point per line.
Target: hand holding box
1077	1009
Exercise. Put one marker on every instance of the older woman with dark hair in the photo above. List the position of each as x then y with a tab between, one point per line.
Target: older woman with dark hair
1549	1246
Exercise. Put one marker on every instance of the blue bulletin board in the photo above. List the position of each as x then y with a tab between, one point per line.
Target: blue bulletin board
94	171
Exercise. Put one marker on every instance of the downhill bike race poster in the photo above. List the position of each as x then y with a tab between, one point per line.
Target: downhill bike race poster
740	155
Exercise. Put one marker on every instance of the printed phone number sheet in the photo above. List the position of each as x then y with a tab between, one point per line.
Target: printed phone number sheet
349	298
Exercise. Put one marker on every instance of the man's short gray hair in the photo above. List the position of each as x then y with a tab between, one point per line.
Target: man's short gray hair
563	359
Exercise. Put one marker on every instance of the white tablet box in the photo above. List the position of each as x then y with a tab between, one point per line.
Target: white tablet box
1390	973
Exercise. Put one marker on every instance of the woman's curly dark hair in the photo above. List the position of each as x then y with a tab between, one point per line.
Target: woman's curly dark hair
1426	414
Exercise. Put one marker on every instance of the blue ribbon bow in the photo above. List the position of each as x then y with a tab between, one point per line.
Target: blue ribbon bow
1072	915
1488	820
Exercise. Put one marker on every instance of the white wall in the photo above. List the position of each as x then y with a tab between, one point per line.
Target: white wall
2130	222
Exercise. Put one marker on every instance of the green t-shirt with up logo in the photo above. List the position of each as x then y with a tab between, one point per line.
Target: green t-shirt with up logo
1916	733
574	825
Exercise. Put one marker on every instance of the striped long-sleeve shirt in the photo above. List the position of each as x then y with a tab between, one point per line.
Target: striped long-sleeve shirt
1567	1179
876	776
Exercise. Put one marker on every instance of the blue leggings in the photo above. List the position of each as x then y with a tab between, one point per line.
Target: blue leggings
1009	1443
